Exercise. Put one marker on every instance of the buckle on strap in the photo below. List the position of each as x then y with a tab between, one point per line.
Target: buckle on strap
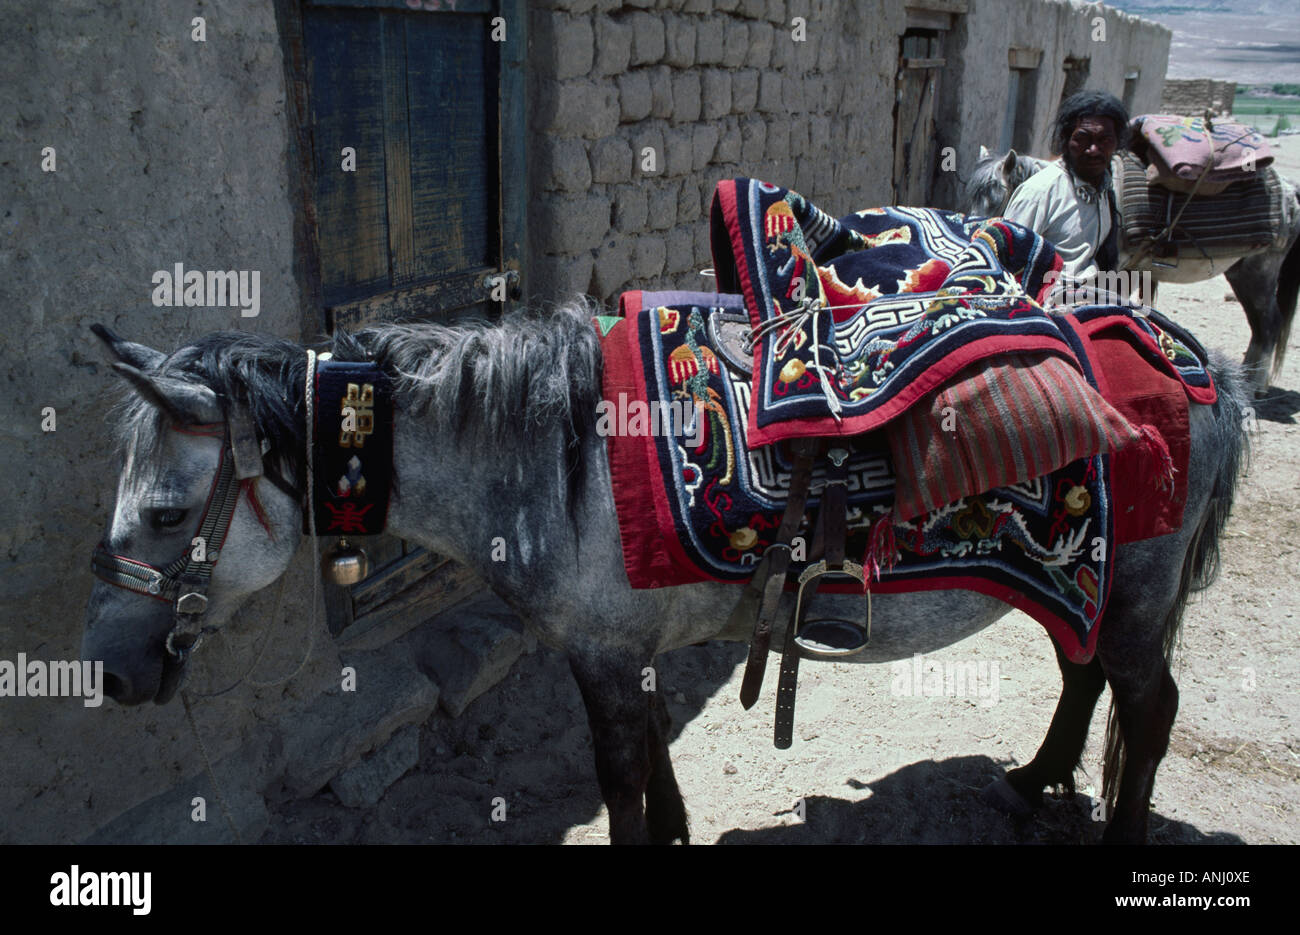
126	573
192	604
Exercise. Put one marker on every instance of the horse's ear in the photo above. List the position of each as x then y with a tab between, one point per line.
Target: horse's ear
984	152
1009	162
185	403
137	355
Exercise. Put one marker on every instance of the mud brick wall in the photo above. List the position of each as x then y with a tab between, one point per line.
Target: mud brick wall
713	89
168	150
973	106
1191	96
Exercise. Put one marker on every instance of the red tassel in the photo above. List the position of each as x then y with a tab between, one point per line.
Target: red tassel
882	549
1158	451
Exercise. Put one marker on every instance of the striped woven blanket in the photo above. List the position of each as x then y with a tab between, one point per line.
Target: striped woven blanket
1243	216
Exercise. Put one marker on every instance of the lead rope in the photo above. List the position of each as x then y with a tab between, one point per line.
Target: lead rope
315	600
207	764
266	641
309	395
794	321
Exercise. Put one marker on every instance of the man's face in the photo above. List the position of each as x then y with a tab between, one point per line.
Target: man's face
1091	146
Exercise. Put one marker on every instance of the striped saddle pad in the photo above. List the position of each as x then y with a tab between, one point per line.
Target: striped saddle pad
1244	216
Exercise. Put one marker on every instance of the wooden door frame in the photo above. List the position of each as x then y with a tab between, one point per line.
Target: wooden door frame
933	70
416	583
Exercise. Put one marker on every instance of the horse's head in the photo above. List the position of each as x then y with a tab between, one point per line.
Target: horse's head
196	527
995	178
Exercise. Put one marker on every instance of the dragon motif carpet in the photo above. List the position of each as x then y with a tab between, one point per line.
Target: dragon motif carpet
700	491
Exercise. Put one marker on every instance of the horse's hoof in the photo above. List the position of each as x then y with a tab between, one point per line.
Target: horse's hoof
1004	797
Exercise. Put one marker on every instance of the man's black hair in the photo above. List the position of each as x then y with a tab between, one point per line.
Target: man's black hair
1089	104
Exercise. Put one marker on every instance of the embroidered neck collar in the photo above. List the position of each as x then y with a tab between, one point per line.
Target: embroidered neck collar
352	447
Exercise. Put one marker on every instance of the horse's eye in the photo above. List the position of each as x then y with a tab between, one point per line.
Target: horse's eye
167	519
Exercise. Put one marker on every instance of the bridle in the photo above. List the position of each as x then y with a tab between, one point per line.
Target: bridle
184	582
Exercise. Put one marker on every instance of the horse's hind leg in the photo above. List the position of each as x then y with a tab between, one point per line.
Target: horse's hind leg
619	714
1254	282
1059	756
665	812
1145	698
1146	702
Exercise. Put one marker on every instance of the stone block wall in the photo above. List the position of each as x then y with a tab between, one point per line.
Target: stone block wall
1190	97
637	110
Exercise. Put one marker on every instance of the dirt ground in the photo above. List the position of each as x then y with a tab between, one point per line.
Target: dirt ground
871	767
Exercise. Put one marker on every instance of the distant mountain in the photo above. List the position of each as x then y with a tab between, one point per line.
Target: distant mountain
1239	7
1246	41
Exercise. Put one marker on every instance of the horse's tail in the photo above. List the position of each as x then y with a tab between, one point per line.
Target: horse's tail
1201	562
1288	286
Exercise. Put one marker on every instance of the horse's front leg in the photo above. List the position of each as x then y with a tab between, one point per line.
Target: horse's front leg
618	711
665	811
1143	288
1254	282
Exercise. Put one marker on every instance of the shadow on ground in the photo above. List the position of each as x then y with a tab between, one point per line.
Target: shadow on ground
938	802
526	745
1278	405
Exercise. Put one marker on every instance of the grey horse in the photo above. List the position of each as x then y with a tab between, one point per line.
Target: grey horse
496	437
1265	281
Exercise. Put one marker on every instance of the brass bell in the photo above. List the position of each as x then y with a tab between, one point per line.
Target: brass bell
345	564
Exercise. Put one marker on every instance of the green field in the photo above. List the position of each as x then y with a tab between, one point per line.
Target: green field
1268	115
1264	105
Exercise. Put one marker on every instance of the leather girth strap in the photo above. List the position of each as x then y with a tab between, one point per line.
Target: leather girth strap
763	593
832	523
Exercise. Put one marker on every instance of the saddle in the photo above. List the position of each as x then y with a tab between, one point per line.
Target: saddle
832	349
729	331
1180	152
1199	188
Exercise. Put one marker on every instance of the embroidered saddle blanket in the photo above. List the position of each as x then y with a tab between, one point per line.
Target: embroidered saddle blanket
1179	149
861	317
699	500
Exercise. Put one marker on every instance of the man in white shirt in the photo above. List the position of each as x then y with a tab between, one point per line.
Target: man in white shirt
1071	202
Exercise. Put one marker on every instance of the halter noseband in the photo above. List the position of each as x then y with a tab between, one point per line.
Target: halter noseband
184	582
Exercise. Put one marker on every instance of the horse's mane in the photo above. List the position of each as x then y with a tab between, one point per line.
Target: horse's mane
265	374
495	382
